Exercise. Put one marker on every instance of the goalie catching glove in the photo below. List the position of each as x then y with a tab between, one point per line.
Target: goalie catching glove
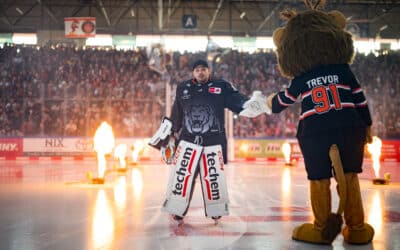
164	141
255	106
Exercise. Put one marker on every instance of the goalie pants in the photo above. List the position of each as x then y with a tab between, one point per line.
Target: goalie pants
190	161
315	150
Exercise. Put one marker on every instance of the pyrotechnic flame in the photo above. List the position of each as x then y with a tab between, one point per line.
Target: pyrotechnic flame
119	153
103	144
286	150
137	147
374	149
244	147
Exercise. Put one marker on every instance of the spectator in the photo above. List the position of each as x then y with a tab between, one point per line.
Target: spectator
45	90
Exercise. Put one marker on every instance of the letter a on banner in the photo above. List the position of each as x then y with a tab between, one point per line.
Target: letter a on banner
215	193
180	182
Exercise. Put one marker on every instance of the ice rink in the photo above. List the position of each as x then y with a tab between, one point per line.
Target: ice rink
49	204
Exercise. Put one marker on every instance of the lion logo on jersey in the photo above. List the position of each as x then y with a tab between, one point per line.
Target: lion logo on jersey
199	119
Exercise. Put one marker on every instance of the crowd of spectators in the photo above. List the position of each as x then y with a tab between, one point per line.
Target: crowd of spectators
64	91
61	91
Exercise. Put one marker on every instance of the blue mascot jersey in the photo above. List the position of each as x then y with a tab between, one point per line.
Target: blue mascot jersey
331	98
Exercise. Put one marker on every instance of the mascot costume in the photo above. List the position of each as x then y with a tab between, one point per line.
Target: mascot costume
314	51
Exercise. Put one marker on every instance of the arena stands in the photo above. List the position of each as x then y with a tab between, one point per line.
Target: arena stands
64	91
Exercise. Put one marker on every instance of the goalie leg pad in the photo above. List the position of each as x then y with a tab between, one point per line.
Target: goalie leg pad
184	166
215	192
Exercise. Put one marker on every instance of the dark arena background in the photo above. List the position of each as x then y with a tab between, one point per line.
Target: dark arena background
69	69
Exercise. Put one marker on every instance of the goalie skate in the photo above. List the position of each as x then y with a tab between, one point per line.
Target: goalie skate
178	219
216	219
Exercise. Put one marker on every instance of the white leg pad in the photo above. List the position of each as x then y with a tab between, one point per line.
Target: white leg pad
215	192
180	182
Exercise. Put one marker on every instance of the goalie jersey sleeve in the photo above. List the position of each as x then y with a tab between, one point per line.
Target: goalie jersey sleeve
331	98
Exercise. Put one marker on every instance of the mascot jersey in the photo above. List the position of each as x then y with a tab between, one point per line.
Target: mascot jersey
198	111
331	98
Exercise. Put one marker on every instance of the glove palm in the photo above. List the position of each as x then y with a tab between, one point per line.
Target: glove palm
255	106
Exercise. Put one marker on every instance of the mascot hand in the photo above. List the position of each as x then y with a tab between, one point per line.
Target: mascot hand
269	100
369	134
168	151
255	106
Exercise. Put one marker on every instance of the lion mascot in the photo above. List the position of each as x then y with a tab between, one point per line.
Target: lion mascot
314	52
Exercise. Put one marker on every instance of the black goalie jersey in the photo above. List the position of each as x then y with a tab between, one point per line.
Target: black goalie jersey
198	111
331	98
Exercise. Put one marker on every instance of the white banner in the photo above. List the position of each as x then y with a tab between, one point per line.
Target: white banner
80	27
57	145
83	146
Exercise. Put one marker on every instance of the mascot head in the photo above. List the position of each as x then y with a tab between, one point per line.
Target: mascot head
312	38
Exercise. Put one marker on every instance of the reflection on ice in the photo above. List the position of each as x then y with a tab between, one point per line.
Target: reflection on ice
120	192
137	183
102	223
375	214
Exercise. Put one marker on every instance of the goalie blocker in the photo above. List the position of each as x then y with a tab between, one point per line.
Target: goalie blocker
182	179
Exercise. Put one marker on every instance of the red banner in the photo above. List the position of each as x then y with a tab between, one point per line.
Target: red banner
390	150
272	148
11	147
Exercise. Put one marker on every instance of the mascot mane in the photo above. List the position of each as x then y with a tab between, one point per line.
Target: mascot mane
302	43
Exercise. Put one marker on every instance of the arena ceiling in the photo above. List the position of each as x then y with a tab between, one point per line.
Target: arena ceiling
366	18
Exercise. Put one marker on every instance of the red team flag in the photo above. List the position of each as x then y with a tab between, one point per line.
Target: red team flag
80	27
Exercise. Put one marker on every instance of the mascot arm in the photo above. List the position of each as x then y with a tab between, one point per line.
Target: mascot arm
269	100
255	106
285	98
